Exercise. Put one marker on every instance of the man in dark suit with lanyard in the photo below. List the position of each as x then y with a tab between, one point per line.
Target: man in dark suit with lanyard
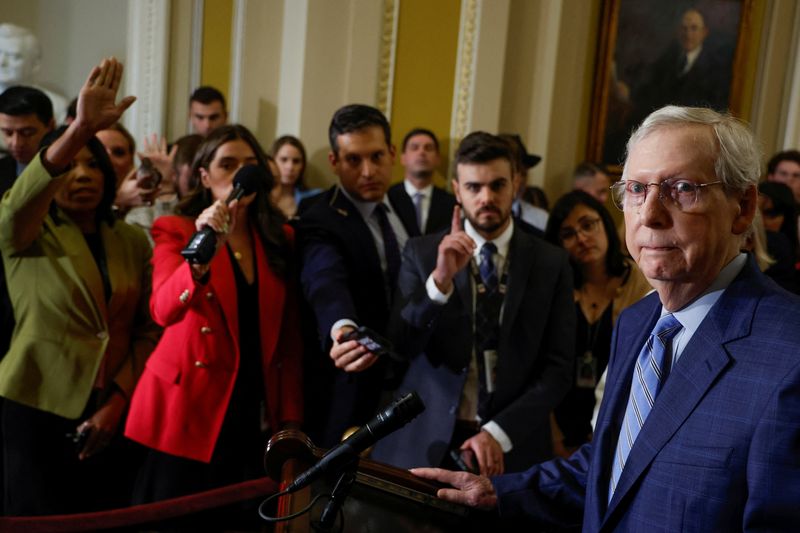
423	207
485	315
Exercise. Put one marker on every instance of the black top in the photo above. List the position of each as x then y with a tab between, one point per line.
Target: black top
592	349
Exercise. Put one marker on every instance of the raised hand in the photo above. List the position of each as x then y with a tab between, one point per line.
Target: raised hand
97	110
156	151
97	101
455	251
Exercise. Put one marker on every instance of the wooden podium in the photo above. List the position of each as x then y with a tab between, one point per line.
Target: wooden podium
383	498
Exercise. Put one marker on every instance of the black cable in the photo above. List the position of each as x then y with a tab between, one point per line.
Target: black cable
292	516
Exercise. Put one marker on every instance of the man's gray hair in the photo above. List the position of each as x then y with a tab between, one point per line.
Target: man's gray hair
738	159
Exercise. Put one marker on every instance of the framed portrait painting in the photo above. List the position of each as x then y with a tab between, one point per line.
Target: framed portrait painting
654	53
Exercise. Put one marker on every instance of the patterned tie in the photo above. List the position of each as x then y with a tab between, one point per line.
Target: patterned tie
488	303
418	196
487	269
645	386
391	247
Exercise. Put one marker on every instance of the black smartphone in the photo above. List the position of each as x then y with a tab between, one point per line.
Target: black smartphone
465	460
371	340
147	176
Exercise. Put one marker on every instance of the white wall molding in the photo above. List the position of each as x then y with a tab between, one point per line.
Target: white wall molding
237	51
292	66
146	71
388	57
790	121
466	61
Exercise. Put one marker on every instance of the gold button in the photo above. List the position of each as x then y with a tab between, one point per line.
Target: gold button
102	335
200	364
184	297
205	330
209	295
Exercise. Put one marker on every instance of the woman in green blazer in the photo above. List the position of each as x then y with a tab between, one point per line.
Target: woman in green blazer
79	283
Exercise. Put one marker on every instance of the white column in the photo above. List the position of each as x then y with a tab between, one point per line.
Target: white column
146	69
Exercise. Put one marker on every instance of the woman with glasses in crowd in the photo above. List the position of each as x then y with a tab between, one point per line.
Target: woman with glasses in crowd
606	281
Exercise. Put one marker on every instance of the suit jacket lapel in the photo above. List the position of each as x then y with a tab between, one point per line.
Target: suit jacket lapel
404	206
84	268
702	361
272	294
520	265
116	264
438	215
224	285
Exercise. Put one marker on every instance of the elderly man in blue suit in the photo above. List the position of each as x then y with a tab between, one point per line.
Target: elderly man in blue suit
700	425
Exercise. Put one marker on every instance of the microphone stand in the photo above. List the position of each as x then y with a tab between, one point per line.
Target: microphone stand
340	492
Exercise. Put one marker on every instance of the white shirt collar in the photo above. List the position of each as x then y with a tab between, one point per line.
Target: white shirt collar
366	208
502	241
411	190
693	314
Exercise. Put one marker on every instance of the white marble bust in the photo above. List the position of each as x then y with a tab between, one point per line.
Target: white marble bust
20	59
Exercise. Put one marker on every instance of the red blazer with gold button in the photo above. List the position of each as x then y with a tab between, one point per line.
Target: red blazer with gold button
180	401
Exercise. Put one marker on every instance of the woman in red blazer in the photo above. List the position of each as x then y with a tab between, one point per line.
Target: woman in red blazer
227	371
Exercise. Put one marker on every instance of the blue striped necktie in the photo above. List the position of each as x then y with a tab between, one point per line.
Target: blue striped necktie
646	383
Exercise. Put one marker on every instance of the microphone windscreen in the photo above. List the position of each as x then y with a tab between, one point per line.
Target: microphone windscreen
248	176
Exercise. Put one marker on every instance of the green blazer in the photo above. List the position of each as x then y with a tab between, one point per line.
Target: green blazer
67	340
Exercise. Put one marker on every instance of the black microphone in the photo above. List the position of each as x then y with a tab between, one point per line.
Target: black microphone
397	415
203	244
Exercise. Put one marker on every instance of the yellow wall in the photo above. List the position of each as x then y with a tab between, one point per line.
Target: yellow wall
217	24
425	64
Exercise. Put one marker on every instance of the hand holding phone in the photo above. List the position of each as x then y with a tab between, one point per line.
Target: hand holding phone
147	176
370	340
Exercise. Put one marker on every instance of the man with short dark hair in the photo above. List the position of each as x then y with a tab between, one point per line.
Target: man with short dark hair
423	207
593	180
207	110
26	115
784	167
485	315
698	430
351	242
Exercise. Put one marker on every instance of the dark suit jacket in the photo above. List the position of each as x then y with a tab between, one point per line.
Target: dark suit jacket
720	451
535	354
440	213
8	174
706	84
341	277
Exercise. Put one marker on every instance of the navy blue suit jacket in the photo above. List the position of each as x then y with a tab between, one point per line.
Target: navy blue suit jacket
534	368
720	451
341	277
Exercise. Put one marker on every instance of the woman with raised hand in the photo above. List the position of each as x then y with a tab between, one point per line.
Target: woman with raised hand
79	283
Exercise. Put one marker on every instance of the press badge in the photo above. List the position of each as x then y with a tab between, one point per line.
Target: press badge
586	371
490	369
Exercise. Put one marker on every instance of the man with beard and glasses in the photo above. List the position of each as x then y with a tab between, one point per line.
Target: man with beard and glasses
484	314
